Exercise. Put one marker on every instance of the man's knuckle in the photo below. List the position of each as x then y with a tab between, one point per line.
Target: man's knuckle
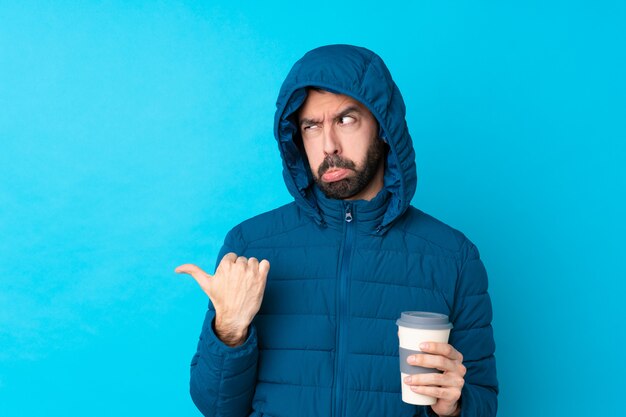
462	369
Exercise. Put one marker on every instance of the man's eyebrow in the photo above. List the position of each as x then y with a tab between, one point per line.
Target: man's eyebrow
304	121
347	111
308	122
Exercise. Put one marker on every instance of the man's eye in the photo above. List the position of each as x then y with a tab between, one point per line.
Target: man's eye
310	127
346	120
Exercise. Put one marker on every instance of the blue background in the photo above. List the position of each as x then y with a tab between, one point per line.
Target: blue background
133	135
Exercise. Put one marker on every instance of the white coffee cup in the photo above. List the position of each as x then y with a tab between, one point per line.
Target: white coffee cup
415	327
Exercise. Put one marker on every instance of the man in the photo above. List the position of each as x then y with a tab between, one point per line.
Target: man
315	335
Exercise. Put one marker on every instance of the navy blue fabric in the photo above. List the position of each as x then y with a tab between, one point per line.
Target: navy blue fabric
325	340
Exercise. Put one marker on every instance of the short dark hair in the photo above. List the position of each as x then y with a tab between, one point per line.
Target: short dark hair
317	89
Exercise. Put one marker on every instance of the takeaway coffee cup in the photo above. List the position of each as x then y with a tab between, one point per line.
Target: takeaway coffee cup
415	327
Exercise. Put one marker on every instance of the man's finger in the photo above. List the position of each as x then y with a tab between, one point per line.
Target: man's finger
230	257
433	379
264	267
253	265
198	274
432	361
443	349
446	394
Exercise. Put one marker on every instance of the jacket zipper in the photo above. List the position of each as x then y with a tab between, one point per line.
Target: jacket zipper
342	336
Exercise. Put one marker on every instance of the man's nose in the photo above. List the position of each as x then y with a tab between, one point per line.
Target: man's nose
331	142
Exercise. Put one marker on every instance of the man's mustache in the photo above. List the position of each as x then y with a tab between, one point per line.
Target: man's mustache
334	161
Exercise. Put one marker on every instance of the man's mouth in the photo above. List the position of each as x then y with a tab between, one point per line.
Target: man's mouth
335	174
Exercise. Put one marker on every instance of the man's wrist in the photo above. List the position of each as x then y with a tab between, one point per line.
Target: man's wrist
230	335
457	410
455	413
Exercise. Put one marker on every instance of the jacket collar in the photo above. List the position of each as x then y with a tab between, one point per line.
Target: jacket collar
367	215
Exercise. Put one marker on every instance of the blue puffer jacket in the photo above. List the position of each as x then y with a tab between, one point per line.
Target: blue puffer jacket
325	340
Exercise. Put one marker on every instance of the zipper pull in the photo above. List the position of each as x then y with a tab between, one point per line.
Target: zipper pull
348	214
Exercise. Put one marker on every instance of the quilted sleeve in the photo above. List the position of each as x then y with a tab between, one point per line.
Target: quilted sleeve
223	378
472	335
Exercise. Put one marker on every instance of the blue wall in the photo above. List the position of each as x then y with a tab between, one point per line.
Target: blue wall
133	135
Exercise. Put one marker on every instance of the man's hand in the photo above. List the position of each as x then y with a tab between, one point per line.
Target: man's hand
445	387
236	291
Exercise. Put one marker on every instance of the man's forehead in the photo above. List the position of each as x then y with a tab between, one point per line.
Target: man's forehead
319	100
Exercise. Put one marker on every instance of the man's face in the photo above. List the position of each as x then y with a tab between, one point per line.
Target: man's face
340	137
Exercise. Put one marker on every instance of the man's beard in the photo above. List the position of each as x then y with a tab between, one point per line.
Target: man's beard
352	185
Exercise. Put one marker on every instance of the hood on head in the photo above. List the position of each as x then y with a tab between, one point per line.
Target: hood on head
361	74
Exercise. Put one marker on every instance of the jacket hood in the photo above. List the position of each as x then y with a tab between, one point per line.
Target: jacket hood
361	74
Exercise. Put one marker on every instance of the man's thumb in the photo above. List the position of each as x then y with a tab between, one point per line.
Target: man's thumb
201	277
